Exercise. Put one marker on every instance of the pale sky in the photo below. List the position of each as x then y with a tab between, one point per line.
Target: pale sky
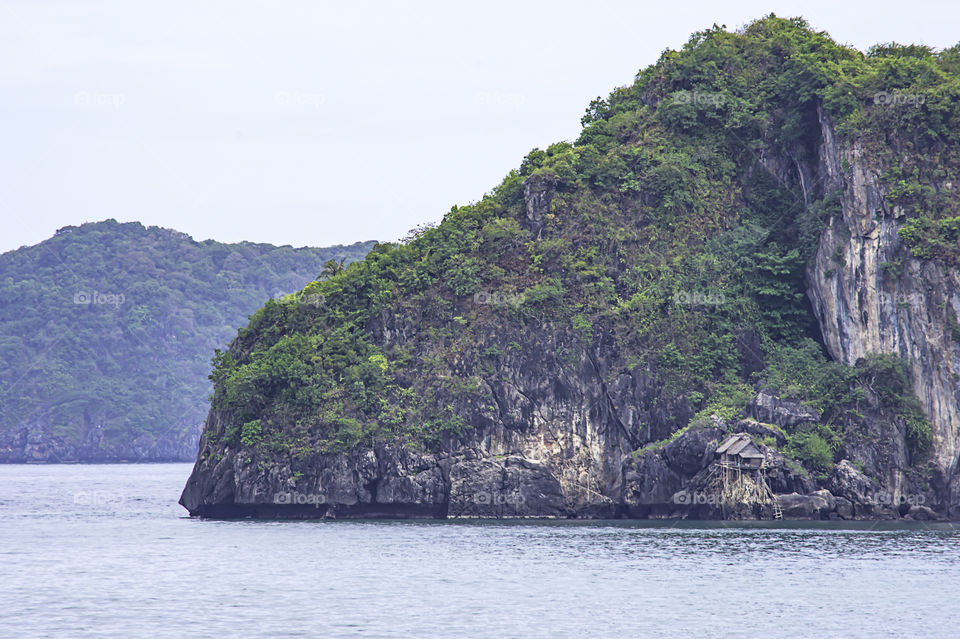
315	123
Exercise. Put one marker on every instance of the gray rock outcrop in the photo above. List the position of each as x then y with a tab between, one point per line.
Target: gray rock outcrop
862	308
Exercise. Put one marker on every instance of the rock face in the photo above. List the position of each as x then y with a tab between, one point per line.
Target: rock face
551	447
538	192
846	480
816	505
862	309
670	481
771	409
674	480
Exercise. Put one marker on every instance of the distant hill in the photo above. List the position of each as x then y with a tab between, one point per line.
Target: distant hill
107	331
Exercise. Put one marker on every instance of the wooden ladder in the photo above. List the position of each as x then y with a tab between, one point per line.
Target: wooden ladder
765	489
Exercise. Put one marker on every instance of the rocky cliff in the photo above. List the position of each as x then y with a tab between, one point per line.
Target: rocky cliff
744	242
864	306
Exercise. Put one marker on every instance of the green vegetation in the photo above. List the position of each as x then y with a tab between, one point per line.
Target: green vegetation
888	377
727	402
697	423
112	325
803	373
665	239
812	449
933	238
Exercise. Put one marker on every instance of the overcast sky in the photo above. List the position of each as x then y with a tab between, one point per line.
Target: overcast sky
314	123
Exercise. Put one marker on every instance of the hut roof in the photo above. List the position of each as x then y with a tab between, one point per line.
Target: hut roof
751	452
741	446
738	446
733	439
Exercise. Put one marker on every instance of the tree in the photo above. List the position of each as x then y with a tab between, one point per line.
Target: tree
331	268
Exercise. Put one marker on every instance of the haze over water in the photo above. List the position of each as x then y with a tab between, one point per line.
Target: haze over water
105	551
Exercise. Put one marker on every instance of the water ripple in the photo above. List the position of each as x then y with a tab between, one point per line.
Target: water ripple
105	551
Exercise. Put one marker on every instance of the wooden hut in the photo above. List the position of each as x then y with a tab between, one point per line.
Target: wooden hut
738	451
741	475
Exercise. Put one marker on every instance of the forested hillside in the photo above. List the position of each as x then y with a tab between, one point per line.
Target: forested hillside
107	331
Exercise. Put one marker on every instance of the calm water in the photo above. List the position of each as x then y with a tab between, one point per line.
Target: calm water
105	551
